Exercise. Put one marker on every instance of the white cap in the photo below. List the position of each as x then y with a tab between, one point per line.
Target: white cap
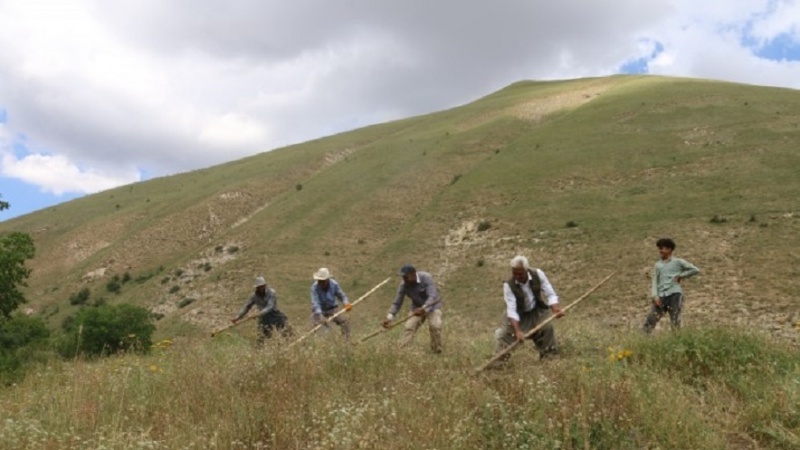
260	281
322	274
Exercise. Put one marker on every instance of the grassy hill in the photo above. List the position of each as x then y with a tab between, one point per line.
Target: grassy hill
582	176
622	160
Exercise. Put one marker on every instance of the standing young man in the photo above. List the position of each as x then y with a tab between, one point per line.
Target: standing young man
666	291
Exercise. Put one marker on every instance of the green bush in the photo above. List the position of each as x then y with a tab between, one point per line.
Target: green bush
185	302
108	329
80	297
21	338
114	285
174	289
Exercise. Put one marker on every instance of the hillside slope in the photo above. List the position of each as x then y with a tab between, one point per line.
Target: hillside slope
580	175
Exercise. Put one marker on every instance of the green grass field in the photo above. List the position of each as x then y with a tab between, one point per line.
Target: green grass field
582	176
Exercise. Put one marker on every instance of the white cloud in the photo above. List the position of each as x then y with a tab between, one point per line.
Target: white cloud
232	130
57	175
174	86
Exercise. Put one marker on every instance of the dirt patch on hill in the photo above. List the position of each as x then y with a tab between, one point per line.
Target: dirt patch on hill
535	110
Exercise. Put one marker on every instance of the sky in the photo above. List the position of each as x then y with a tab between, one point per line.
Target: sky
96	94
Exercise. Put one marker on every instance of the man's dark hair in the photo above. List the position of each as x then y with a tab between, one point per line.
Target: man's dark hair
665	242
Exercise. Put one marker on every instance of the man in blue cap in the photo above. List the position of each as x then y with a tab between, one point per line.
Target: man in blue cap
426	305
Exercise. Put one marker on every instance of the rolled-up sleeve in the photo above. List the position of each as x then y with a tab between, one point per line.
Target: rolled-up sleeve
688	269
511	303
547	289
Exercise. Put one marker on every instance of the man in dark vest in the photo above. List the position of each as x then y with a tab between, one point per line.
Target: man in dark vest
530	299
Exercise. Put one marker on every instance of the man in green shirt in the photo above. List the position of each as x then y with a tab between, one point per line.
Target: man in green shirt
666	290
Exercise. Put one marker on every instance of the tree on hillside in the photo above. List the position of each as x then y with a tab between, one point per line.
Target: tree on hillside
108	329
22	338
15	249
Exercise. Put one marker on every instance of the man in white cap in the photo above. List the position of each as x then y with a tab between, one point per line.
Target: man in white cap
269	317
324	292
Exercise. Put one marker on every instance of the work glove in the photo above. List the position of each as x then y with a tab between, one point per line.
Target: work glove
348	307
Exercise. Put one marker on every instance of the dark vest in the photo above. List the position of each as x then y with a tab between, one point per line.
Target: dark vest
536	287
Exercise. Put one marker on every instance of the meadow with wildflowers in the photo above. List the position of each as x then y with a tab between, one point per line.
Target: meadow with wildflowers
698	388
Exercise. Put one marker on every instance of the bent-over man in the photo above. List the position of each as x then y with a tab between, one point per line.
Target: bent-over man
530	299
269	317
324	292
426	305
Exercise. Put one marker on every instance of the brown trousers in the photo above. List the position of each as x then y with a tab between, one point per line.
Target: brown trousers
434	319
341	320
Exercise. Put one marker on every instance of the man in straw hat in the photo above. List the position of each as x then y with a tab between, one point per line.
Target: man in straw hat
269	317
324	292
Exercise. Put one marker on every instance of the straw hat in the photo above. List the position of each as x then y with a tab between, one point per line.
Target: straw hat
322	274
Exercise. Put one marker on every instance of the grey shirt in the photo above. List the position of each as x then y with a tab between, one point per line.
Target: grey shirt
265	304
423	293
664	274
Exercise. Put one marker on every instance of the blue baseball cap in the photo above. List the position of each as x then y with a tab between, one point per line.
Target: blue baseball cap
406	269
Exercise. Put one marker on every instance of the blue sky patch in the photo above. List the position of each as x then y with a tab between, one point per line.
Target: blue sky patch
25	198
782	48
3	116
641	65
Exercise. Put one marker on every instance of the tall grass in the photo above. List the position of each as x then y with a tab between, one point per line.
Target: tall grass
698	388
